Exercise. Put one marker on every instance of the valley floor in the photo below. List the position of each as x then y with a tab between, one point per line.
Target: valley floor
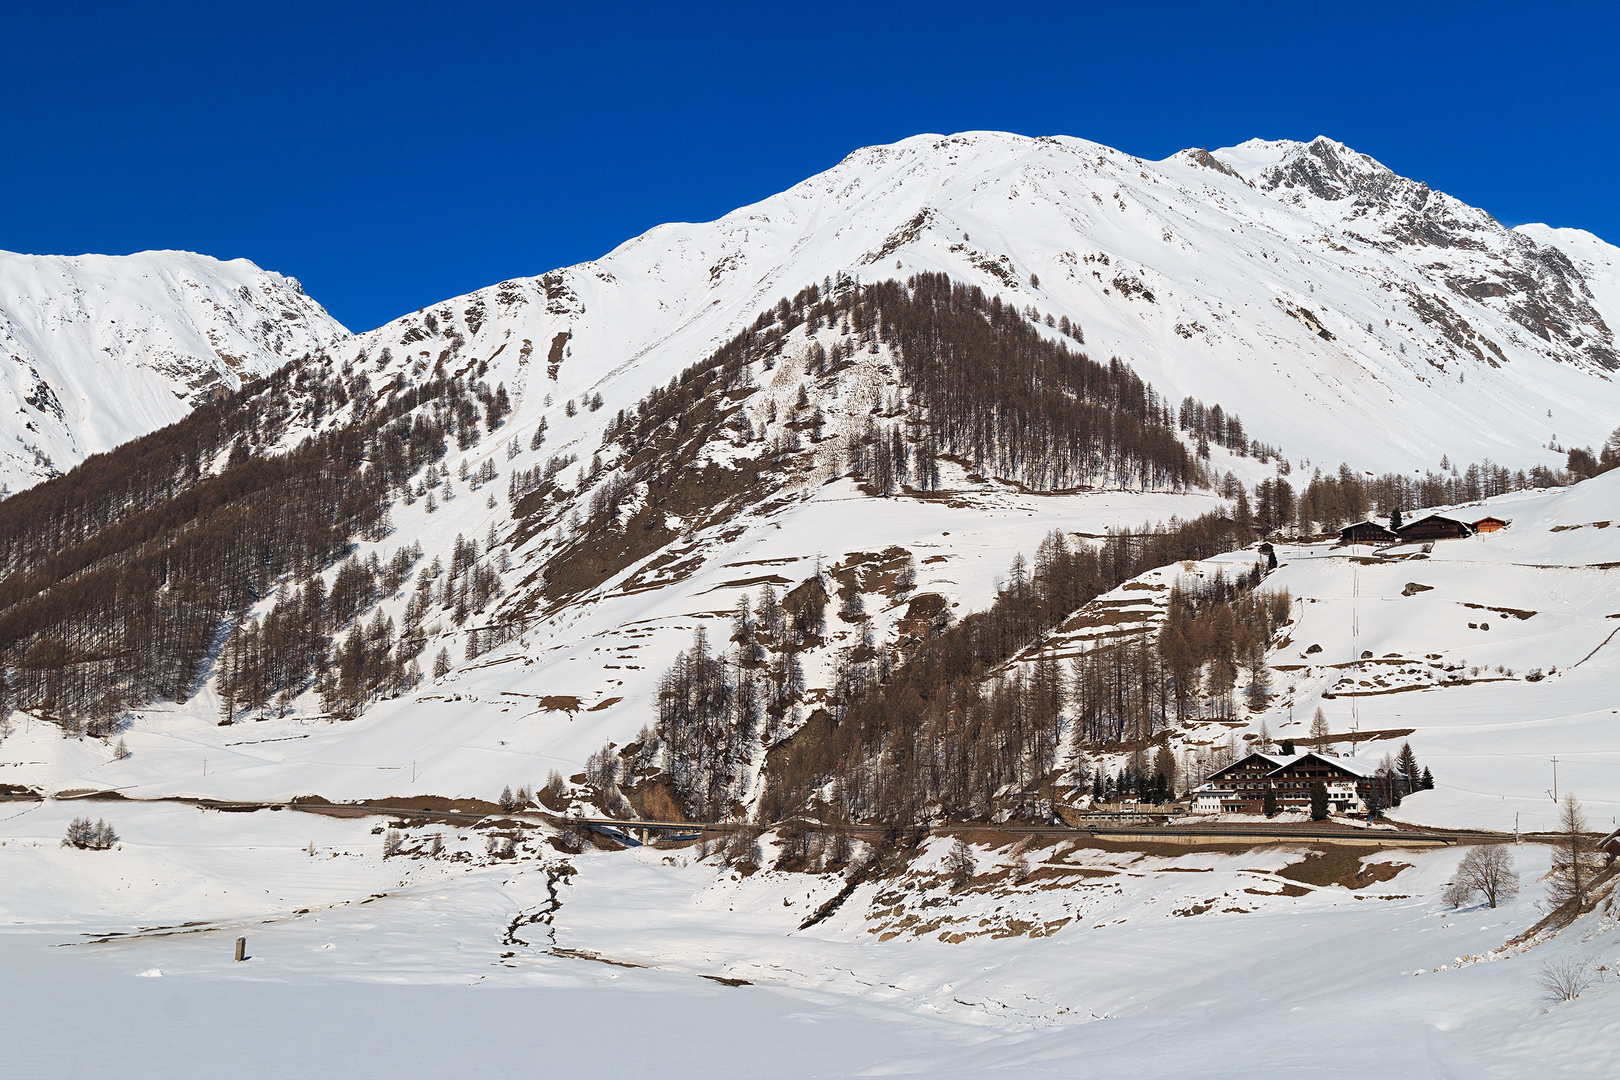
1165	963
1067	956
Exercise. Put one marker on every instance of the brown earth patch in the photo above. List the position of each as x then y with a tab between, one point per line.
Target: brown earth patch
1339	866
870	572
1286	890
1061	874
1517	613
554	358
749	582
655	800
921	618
420	804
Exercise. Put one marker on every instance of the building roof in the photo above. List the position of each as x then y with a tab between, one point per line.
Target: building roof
1368	521
1434	517
1349	765
1273	761
1280	762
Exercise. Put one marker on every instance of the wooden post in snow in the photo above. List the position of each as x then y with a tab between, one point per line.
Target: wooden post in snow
241	949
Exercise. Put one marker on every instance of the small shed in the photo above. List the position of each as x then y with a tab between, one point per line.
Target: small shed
1490	524
1435	527
1367	532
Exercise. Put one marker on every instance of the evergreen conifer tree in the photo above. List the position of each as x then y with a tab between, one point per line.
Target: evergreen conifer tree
1319	801
1406	762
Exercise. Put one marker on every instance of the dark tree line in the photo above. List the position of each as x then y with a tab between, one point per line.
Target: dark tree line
715	709
939	732
995	391
979	381
1130	689
281	655
123	575
1216	425
1582	464
1331	500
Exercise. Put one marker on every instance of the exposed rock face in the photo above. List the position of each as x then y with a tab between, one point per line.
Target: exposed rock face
1465	248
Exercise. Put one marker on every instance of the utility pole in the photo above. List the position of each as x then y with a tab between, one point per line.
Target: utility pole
1555	779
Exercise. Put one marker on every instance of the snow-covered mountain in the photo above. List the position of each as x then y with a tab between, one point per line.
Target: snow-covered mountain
471	550
96	350
1347	313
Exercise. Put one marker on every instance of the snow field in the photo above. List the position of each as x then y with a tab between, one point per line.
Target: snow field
1169	964
1488	738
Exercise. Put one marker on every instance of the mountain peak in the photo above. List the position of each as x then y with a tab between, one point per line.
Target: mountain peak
105	348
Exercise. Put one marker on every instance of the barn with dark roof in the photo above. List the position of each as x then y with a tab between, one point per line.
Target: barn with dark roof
1435	527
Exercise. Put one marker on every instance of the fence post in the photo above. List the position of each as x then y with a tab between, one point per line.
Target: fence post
241	949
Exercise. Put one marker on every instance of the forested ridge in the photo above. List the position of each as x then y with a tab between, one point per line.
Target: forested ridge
1330	500
223	546
123	573
136	575
980	381
953	728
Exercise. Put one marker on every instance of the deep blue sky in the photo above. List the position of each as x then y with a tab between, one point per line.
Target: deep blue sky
392	155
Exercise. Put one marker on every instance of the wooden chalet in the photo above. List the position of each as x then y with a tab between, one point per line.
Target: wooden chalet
1490	524
1435	527
1241	786
1367	532
1238	788
1610	846
1348	782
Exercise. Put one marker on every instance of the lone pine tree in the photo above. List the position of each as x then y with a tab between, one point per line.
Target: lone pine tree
1319	801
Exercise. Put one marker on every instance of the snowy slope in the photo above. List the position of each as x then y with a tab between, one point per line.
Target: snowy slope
1507	660
1598	262
96	350
1253	272
1156	964
1490	655
1244	291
